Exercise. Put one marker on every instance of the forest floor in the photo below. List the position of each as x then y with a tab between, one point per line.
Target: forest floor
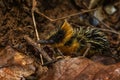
20	57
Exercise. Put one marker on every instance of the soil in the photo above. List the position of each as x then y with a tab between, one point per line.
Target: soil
16	21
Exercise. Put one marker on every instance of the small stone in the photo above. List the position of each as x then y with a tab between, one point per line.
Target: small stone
110	9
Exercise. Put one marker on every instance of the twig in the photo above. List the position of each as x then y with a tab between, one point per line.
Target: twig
111	29
88	48
36	31
34	22
102	22
50	19
35	45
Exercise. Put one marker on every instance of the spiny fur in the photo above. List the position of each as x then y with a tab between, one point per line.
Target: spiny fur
70	40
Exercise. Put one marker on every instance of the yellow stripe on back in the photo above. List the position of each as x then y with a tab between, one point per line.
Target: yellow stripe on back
68	31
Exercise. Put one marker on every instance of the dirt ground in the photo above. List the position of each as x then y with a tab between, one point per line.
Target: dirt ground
16	20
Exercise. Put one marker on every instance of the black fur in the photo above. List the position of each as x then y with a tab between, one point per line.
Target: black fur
58	37
70	41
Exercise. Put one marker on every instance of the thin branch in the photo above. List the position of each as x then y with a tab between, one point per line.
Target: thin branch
36	31
102	22
111	29
34	22
88	48
50	19
35	45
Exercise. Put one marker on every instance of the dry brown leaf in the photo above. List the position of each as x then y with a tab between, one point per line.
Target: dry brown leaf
82	69
15	65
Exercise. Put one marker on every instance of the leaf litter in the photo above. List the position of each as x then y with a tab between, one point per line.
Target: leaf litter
21	60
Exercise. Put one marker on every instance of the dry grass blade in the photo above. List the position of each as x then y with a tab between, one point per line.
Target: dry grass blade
88	48
34	22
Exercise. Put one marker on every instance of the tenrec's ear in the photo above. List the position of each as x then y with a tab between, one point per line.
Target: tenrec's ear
66	26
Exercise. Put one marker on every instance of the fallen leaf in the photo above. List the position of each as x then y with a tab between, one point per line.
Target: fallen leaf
15	65
82	69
